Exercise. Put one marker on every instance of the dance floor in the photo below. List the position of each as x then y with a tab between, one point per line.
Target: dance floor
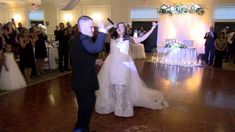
200	99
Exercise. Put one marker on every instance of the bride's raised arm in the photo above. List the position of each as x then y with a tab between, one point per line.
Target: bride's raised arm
146	35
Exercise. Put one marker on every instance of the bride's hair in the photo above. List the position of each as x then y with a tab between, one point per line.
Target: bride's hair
115	35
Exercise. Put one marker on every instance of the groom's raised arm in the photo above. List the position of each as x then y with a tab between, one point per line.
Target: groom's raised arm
94	47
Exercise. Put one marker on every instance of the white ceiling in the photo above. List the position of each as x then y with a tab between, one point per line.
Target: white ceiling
12	1
16	2
25	1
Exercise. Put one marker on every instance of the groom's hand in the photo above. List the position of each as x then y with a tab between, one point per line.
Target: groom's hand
101	27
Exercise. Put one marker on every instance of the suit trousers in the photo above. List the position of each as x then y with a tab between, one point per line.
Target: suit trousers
63	59
86	103
209	54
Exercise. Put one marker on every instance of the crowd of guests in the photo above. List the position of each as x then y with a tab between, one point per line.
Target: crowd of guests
218	46
23	42
28	46
65	35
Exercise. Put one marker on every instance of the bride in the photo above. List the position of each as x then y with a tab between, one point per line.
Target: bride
121	88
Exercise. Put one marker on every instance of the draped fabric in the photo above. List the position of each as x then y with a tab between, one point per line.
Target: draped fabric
66	4
34	1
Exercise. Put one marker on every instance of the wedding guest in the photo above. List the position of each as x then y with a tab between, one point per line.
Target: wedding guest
56	31
231	47
26	54
11	77
63	48
141	32
69	36
12	32
209	46
20	27
40	51
129	30
68	25
1	52
1	28
220	46
75	30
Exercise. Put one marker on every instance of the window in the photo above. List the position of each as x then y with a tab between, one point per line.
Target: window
224	13
140	13
38	16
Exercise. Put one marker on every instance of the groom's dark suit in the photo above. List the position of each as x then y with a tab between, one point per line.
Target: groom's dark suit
84	77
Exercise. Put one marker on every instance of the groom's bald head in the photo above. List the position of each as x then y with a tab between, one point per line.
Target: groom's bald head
85	25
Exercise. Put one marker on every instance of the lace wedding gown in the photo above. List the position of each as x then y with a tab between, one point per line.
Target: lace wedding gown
13	78
121	88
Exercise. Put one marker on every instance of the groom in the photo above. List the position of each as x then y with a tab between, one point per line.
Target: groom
84	78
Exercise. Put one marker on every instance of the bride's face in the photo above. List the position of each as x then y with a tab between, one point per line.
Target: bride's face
121	29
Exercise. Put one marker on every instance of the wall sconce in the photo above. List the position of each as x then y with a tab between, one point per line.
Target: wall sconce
68	17
17	17
97	17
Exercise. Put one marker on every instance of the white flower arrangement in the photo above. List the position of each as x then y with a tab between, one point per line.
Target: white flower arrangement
181	9
174	44
42	28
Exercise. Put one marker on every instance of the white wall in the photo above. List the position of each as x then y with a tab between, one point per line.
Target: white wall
3	13
117	10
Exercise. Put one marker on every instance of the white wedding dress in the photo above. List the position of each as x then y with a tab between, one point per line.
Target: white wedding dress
13	78
121	88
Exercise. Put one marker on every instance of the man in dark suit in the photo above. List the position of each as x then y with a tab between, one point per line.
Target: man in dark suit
84	77
63	47
1	52
209	46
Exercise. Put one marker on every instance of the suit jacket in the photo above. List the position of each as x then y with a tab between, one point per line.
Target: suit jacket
210	39
60	36
84	50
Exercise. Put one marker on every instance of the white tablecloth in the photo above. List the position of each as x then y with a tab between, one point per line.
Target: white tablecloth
177	56
137	51
53	55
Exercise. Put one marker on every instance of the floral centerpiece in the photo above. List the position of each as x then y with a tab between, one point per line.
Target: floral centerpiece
181	9
175	44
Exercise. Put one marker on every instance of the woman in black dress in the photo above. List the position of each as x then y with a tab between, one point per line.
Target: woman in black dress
40	51
220	46
26	54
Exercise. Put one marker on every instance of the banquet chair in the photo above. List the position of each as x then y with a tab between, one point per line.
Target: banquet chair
188	43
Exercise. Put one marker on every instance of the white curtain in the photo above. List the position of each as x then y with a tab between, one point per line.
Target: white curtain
183	27
187	26
38	2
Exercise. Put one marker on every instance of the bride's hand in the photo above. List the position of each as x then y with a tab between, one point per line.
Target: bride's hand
109	27
154	24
